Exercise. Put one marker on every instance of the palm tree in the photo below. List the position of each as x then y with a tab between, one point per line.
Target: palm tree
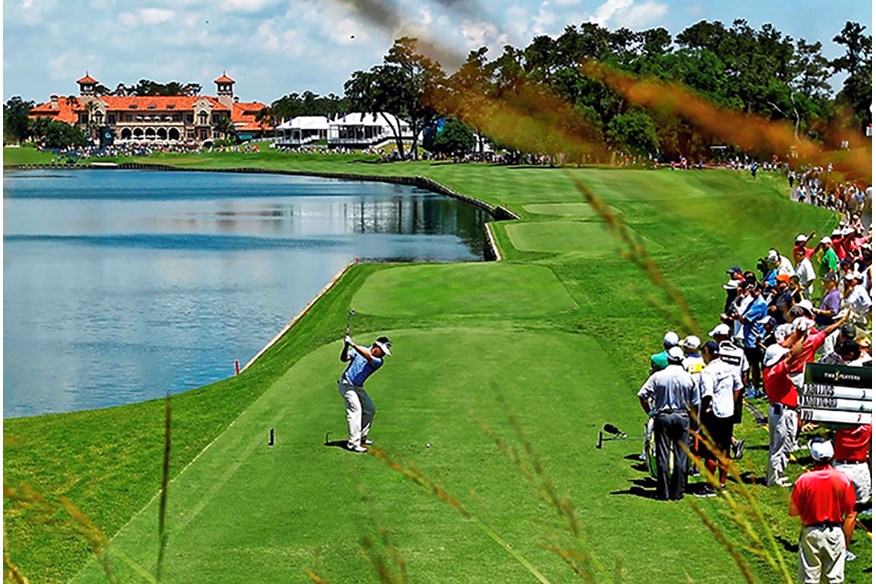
224	127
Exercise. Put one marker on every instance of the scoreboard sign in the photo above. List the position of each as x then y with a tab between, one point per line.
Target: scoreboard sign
837	394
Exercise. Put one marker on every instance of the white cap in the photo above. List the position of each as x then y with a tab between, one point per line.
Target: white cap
801	238
731	284
384	347
773	256
783	331
774	354
806	305
854	276
825	239
720	330
691	342
821	450
670	339
803	324
675	355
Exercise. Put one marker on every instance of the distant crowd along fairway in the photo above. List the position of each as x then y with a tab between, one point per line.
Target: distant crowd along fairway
556	337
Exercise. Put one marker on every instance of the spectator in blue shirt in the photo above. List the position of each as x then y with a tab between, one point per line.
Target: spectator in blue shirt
752	332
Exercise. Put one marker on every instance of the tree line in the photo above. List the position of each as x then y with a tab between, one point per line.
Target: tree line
761	72
756	71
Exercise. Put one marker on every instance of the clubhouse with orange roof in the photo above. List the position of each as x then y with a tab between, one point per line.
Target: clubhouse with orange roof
196	120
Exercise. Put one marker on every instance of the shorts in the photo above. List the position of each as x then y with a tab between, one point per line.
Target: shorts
721	431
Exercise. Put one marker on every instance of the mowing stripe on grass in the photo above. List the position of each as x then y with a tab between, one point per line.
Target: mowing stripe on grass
568	236
502	288
274	508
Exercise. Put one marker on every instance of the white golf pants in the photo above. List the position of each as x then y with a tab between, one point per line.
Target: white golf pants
783	436
360	411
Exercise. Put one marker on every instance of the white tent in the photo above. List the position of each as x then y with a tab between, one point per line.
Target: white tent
302	130
361	129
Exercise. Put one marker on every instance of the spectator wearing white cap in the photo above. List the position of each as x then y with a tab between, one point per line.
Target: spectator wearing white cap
693	361
812	340
782	395
801	242
783	264
804	271
824	499
363	362
857	299
660	360
669	395
735	356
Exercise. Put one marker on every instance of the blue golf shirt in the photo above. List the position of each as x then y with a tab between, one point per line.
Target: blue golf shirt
360	368
752	329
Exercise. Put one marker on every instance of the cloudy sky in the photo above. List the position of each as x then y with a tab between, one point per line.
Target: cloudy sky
275	47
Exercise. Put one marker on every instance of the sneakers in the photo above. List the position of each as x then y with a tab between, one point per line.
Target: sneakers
850	556
367	441
706	493
739	449
355	447
783	482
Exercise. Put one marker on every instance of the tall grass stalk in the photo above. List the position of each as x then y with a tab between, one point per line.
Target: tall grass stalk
415	475
384	556
526	460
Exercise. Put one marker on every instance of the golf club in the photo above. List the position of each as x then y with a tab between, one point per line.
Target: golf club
350	315
614	433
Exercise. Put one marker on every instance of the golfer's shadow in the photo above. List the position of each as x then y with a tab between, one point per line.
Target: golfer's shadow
342	444
645	487
640	465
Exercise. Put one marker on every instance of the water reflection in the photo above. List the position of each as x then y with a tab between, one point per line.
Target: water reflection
122	286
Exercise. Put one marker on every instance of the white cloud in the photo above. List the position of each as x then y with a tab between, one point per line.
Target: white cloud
146	16
617	13
642	15
247	6
546	17
30	12
607	10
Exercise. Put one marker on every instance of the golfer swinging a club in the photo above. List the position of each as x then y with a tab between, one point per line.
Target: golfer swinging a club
360	408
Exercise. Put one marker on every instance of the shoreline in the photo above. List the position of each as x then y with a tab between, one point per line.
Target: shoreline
492	252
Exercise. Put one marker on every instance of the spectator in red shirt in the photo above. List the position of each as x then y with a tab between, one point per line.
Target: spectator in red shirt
824	499
800	244
783	409
812	341
853	454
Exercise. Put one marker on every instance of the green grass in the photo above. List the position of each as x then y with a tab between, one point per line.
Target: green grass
506	289
568	236
26	155
564	336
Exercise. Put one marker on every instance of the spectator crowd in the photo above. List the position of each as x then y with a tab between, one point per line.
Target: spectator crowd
808	301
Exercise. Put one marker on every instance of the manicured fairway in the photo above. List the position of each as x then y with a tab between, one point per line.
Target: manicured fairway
563	329
249	512
568	236
464	289
581	210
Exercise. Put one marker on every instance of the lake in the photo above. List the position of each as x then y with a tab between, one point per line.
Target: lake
121	286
